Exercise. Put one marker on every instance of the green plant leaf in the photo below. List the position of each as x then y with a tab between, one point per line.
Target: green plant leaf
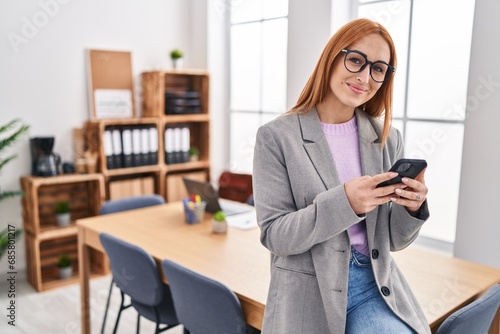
10	139
64	261
62	207
176	54
4	239
219	216
3	162
9	194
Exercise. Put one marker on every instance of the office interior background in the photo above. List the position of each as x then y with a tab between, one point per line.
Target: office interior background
259	55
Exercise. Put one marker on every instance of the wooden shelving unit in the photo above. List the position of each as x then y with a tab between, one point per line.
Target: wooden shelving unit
45	241
155	86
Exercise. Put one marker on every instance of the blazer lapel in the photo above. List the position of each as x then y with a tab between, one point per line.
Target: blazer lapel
371	160
317	148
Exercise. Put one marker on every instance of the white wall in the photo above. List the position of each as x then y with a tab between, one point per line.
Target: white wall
309	25
218	60
43	73
478	227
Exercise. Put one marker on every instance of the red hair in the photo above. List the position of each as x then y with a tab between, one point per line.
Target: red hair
317	86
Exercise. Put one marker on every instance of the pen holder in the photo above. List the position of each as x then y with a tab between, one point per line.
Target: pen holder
194	211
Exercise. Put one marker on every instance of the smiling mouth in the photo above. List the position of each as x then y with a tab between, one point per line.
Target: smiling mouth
356	89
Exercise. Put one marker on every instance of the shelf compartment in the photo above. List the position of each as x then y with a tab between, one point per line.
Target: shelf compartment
42	256
174	186
156	84
133	185
85	194
95	142
198	137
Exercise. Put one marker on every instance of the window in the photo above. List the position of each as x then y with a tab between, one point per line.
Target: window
430	93
430	89
258	47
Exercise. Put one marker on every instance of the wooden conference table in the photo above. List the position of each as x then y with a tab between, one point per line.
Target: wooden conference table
442	284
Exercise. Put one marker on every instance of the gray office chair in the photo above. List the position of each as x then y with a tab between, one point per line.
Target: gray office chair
203	305
475	317
120	205
136	274
130	203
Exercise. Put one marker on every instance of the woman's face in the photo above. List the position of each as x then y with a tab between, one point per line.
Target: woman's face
349	90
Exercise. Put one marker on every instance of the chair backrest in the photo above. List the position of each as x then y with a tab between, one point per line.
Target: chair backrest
134	271
235	186
203	305
475	317
130	203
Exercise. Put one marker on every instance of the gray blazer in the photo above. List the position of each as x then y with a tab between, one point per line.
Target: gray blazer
304	214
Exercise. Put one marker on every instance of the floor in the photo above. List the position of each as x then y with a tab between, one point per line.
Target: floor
58	311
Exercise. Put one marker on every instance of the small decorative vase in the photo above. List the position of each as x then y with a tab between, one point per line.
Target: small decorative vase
193	158
219	226
177	63
66	272
63	219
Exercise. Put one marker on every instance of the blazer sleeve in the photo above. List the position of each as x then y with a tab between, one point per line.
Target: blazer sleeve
404	228
287	229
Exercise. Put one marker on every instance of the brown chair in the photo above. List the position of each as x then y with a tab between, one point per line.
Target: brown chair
235	186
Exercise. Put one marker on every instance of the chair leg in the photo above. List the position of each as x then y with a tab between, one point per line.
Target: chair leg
119	312
157	317
107	306
138	323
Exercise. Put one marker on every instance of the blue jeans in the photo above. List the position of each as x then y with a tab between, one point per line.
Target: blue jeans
367	312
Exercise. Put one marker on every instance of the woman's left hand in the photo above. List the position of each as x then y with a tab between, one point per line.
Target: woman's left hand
413	195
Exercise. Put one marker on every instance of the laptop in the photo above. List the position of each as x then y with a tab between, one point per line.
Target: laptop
208	194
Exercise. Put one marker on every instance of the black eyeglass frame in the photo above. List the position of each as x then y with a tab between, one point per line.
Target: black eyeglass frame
390	69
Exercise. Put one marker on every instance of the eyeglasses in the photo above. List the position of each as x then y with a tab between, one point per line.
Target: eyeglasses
355	61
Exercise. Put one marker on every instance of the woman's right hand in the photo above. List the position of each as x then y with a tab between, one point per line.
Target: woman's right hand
363	194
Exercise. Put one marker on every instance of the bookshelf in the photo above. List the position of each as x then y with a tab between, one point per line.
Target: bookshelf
45	241
176	105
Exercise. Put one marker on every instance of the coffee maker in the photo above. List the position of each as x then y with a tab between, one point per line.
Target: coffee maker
44	161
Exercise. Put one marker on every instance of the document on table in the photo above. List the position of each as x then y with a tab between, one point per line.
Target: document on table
244	221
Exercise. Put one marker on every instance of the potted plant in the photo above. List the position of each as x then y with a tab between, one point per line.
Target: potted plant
194	153
63	215
176	56
219	223
9	134
64	265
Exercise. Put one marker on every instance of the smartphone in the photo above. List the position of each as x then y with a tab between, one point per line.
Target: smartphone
409	168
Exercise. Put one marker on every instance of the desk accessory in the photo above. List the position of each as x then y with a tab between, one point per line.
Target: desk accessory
194	209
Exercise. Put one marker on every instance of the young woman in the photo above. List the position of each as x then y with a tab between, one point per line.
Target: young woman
329	228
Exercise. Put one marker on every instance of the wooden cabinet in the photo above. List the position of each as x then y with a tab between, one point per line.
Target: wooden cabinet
45	241
179	99
176	106
174	102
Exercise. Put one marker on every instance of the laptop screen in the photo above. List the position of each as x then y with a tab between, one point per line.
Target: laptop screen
205	191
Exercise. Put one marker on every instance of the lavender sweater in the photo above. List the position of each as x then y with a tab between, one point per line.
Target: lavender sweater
344	146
